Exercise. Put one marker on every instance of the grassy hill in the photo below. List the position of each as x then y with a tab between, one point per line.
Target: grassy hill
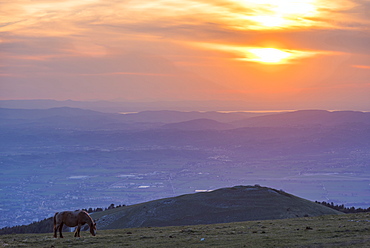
351	230
225	205
240	203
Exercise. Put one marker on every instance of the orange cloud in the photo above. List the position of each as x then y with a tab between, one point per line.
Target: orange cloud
232	43
362	66
129	73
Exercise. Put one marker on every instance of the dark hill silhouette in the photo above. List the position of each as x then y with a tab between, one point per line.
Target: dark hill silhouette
71	118
240	203
32	114
306	118
64	117
171	116
198	124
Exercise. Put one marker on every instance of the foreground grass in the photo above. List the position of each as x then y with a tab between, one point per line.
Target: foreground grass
352	230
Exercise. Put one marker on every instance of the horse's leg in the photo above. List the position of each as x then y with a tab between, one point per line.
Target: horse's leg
77	232
55	231
60	230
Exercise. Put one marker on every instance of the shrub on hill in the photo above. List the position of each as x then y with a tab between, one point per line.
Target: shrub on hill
344	209
43	226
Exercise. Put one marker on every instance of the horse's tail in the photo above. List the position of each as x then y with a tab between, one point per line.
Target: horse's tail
55	218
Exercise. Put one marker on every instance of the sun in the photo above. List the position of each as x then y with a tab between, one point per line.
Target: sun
267	55
263	55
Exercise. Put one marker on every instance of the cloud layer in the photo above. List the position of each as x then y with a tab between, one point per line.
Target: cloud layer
185	50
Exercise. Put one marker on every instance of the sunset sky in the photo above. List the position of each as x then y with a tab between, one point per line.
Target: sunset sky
274	54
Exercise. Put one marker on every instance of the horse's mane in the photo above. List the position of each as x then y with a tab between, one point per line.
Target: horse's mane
86	214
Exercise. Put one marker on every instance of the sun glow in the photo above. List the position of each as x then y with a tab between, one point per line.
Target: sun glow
282	13
269	21
268	55
264	55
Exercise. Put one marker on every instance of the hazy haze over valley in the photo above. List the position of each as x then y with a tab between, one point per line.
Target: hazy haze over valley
68	158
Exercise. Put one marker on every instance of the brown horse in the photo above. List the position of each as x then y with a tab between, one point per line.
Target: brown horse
73	218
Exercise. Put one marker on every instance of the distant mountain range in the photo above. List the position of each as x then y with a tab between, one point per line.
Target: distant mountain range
63	117
126	106
285	133
66	117
306	118
199	124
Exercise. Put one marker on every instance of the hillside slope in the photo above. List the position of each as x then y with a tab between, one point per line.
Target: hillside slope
240	203
306	118
198	124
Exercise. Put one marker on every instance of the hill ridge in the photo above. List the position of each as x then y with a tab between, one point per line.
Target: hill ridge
306	118
233	204
198	124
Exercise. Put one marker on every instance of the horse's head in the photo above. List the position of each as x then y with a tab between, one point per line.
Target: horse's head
93	229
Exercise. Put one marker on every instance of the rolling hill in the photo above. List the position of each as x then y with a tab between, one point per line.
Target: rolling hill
306	118
239	203
198	124
76	118
225	205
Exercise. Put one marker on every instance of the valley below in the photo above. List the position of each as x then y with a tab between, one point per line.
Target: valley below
49	166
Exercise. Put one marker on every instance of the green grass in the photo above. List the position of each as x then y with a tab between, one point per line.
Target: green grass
352	230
